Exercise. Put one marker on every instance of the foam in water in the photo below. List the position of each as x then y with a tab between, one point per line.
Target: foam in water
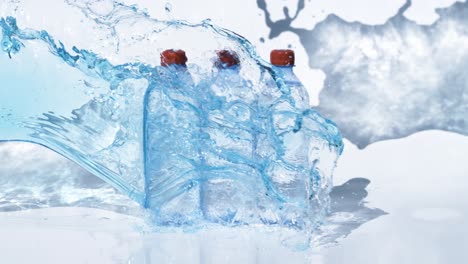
91	110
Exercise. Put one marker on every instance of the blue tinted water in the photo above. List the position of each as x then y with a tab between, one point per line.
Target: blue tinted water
172	147
93	111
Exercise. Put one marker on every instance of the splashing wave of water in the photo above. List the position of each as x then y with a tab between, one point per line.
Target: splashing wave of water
87	104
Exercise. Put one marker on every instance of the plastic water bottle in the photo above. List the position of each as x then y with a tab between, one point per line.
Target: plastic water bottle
283	63
172	153
229	189
288	171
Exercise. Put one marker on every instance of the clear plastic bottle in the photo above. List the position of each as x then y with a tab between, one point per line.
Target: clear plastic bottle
229	190
283	63
172	153
288	171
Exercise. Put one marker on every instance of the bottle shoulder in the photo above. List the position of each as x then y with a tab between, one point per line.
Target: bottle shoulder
289	84
230	85
173	76
227	75
230	79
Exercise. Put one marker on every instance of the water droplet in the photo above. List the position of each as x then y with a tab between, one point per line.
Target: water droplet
207	21
168	7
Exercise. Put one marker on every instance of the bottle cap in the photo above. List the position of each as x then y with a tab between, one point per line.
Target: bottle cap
282	57
227	58
170	57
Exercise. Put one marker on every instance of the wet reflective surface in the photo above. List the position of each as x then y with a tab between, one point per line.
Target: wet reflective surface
416	209
91	212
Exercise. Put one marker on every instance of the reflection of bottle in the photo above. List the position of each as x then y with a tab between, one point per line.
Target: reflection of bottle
228	194
171	126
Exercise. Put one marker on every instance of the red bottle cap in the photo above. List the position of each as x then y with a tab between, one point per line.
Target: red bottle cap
170	57
282	57
227	58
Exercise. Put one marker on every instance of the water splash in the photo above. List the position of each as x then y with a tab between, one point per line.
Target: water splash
33	177
90	109
168	7
404	77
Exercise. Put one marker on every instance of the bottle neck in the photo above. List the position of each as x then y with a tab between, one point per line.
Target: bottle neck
172	70
284	69
175	73
221	73
175	67
286	73
234	68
